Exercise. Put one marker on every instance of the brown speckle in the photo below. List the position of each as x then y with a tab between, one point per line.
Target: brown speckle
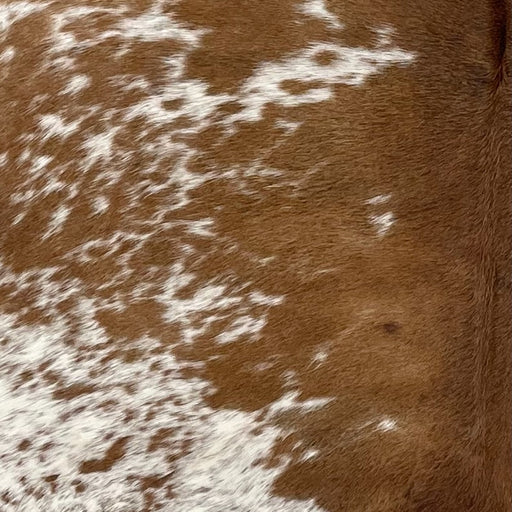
326	57
73	391
112	455
24	445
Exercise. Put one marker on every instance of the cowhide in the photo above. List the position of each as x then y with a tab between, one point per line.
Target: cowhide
255	256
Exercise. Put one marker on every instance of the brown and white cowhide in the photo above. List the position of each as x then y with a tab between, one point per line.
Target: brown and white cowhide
255	256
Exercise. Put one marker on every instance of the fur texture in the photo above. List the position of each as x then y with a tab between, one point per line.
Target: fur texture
255	256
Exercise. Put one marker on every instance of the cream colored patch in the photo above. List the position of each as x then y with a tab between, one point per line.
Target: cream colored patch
350	66
53	125
318	9
76	84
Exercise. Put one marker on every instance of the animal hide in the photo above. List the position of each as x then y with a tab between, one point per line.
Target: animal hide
255	256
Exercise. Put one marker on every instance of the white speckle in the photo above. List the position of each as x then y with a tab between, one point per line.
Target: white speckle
52	124
202	227
3	158
318	9
57	221
289	402
288	126
379	199
386	425
320	357
99	147
265	300
309	454
155	25
383	222
242	326
7	55
76	84
100	204
384	36
39	163
137	83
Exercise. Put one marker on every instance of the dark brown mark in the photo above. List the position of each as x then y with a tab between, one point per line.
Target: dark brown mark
391	327
112	455
73	391
326	57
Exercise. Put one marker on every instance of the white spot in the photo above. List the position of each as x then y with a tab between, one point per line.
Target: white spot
309	454
384	36
288	126
155	25
39	163
202	227
320	357
76	84
383	222
137	83
57	221
386	425
318	9
100	204
242	326
99	147
196	104
289	402
225	472
379	199
7	55
261	367
53	124
265	300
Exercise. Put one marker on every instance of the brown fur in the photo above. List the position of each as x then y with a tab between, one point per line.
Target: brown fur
417	323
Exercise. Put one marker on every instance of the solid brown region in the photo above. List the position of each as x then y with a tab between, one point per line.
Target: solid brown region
434	135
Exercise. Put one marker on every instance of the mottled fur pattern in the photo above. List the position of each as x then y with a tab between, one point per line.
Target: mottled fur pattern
255	256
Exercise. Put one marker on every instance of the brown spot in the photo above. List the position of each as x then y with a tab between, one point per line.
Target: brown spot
325	57
154	482
51	377
172	104
129	415
158	439
24	445
297	87
391	327
52	480
79	486
26	375
132	355
73	391
112	455
47	446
